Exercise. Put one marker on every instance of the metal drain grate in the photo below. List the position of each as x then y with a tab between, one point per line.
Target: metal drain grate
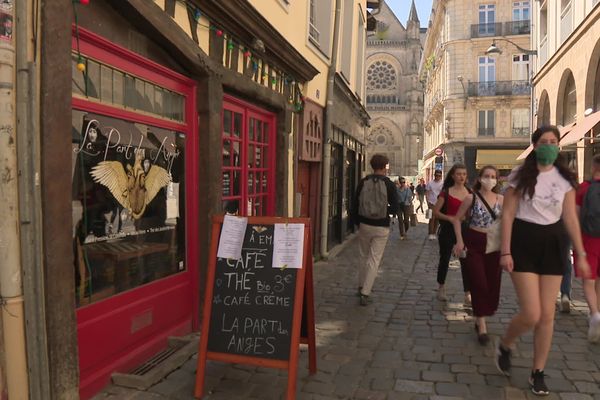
157	359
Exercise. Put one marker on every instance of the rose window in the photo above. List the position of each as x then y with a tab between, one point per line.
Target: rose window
381	75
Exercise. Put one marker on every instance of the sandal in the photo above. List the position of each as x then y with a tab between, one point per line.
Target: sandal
482	338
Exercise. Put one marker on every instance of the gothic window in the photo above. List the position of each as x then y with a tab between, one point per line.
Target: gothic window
381	136
381	75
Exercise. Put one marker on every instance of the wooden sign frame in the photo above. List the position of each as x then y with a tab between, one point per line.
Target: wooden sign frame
303	309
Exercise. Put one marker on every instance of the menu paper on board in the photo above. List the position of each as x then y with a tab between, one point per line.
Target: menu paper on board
232	237
288	246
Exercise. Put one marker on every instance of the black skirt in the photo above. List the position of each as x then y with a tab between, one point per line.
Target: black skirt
540	249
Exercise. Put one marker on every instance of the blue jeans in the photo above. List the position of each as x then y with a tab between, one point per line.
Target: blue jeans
565	285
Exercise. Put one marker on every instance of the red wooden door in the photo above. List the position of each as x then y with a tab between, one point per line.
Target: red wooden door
304	188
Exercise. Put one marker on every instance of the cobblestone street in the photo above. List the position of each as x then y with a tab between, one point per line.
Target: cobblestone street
406	345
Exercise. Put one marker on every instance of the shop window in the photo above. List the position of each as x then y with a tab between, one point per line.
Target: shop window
105	84
128	204
248	162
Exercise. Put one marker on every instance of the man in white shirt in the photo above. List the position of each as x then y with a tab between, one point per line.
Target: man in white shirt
432	192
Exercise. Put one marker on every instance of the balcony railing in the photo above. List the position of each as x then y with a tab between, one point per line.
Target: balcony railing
486	132
520	131
486	30
499	88
517	28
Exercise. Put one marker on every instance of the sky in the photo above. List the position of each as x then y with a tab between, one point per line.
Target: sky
402	8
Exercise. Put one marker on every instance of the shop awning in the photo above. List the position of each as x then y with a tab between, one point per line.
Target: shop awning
499	158
578	132
564	131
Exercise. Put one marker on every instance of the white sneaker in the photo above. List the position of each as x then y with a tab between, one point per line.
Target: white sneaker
594	330
431	237
441	294
565	304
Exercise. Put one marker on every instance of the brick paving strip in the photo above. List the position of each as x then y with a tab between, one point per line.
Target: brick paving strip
406	345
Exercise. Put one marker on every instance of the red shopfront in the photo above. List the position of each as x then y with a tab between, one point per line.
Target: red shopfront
135	207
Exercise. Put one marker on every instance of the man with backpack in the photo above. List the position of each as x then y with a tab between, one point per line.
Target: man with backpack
588	206
375	201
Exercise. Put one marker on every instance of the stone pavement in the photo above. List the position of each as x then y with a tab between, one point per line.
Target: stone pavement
406	345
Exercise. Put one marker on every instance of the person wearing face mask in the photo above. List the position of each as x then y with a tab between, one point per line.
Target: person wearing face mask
541	191
483	270
449	200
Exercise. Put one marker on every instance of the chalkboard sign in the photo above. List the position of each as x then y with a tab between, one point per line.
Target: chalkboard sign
254	313
252	303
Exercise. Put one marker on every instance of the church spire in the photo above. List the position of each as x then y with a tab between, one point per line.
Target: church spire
413	13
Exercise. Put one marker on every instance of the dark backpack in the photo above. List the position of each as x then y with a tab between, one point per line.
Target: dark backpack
590	210
373	201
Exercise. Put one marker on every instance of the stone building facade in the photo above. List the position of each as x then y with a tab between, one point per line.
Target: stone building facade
394	93
567	83
477	104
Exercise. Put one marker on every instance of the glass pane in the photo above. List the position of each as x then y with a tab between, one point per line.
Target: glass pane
258	206
78	78
148	97
122	240
251	162
93	81
226	183
265	133
251	129
105	84
227	153
227	122
236	183
236	154
264	183
259	128
264	155
117	84
130	98
237	124
250	182
257	158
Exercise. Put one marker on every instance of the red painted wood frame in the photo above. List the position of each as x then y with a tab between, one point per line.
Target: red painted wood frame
304	297
106	343
251	133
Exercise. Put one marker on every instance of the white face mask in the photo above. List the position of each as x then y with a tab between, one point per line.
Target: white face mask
488	183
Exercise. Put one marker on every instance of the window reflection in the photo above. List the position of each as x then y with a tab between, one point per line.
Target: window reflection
128	205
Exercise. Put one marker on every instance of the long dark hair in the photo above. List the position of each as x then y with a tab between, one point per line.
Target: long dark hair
526	175
449	181
477	186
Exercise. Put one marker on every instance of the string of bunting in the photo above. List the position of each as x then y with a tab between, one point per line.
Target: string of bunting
296	98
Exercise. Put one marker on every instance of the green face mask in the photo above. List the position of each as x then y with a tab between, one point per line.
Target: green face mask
546	154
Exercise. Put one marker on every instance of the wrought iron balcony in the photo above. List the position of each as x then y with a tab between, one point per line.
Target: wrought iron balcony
520	132
486	30
499	88
517	28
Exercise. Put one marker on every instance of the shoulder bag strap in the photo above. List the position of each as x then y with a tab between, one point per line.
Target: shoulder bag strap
485	203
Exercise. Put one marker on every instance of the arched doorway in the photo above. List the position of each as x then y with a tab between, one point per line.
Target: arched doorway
543	114
566	107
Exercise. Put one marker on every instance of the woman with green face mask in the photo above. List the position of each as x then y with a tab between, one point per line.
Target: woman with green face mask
539	214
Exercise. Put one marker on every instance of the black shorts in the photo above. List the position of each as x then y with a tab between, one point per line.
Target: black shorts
540	249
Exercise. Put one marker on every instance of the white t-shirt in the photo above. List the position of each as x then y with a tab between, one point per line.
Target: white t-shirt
433	190
546	206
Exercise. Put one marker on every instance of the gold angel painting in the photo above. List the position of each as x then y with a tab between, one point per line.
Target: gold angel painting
132	186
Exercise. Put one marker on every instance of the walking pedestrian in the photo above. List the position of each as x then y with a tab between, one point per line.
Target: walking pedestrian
375	201
588	206
432	191
449	200
567	281
421	189
405	198
483	269
412	188
541	191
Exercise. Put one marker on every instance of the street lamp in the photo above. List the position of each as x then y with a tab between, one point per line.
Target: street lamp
493	49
